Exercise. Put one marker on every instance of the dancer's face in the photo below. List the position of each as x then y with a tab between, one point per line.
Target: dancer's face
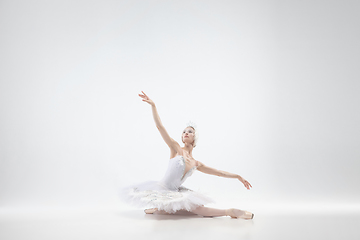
188	135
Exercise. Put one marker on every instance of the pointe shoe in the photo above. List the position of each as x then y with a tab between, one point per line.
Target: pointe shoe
150	211
236	213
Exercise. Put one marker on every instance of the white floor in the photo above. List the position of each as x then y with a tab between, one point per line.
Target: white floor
281	222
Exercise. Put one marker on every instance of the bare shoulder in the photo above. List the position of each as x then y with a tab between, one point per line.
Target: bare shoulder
199	164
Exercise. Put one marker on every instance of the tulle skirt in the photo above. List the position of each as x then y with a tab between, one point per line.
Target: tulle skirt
153	194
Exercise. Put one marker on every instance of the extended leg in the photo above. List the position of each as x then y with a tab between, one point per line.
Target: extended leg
232	212
162	212
209	212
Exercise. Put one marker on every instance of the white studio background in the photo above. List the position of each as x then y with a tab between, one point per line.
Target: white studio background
272	85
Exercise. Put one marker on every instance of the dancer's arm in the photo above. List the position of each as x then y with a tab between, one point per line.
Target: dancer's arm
173	145
212	171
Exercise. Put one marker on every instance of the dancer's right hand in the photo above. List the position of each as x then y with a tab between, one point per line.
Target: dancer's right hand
145	98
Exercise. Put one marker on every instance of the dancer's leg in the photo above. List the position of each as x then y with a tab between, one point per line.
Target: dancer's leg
206	212
232	212
209	212
162	212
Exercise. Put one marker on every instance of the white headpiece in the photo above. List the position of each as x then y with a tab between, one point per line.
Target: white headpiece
191	124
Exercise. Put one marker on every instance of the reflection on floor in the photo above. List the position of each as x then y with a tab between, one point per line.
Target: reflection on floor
124	223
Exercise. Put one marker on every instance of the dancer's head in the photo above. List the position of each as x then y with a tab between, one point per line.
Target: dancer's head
189	135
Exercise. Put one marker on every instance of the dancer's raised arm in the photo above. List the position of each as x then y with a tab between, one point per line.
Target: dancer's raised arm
173	145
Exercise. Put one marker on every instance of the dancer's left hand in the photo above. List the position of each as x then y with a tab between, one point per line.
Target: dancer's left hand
245	182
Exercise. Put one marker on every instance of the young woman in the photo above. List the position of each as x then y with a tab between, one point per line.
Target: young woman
168	196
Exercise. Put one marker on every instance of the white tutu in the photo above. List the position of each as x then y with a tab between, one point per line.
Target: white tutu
166	194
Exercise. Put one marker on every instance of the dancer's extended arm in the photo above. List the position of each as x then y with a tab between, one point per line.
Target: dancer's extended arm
173	145
208	170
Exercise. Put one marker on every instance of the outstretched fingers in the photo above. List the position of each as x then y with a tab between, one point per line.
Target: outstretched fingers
247	184
144	94
144	97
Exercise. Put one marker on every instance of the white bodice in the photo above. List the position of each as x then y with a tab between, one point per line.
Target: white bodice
175	174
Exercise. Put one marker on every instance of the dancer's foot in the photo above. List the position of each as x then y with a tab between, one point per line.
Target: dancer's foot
150	210
236	213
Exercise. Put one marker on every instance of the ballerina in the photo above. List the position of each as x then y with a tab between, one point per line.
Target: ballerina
168	196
